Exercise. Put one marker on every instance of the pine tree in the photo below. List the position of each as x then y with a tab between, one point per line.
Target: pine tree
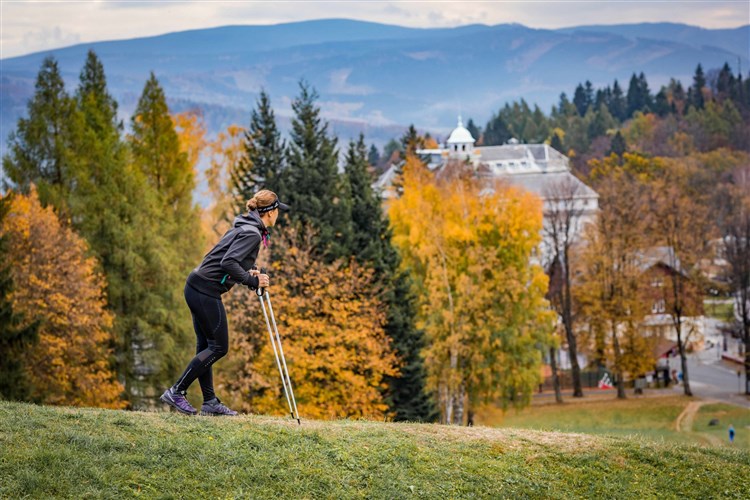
373	156
411	141
556	142
699	83
475	131
496	131
580	100
371	246
263	158
311	181
15	337
171	246
618	105
618	145
39	151
634	98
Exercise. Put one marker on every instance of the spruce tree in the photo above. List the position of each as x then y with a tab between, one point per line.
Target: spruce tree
263	156
14	338
373	156
580	101
699	82
475	131
39	151
496	132
617	145
163	331
312	185
371	246
556	143
635	100
618	105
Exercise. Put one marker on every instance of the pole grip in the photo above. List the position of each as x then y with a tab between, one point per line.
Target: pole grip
260	291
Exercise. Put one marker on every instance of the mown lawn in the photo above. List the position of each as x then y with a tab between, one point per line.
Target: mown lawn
64	452
651	417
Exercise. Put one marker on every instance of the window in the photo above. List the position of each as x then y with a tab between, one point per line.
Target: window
658	307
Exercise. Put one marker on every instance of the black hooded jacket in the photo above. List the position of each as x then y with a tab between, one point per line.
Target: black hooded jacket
229	261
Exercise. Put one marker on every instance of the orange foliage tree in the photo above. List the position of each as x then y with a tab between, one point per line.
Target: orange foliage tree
482	301
331	322
59	287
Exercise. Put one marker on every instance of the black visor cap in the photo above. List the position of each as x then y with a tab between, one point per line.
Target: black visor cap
272	206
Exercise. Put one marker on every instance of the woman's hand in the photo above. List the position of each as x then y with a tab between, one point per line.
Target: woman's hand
254	272
263	281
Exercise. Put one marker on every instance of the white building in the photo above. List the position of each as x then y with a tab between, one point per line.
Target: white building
537	168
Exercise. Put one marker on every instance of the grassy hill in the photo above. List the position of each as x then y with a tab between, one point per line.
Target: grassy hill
71	452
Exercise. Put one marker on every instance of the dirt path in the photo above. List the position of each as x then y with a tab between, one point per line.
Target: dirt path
684	422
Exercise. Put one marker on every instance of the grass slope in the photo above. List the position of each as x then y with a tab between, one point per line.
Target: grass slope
650	417
71	452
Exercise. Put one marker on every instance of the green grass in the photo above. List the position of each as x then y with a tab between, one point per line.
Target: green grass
726	414
721	310
651	417
89	453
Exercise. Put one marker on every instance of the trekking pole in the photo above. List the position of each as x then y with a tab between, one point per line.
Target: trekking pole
283	359
261	292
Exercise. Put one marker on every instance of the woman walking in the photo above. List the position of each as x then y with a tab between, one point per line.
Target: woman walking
228	263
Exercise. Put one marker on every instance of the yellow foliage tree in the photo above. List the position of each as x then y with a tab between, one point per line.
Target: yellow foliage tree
331	322
60	288
225	152
610	289
482	302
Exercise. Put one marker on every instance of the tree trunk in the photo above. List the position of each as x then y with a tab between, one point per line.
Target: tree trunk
555	375
569	333
683	359
618	363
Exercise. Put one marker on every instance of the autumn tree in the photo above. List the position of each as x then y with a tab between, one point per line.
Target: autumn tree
62	291
682	221
609	290
481	302
331	323
225	152
561	225
735	233
16	335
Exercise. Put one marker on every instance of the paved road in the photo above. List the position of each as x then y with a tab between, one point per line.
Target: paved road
712	378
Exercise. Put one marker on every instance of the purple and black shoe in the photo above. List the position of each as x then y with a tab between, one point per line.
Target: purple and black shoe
215	408
178	401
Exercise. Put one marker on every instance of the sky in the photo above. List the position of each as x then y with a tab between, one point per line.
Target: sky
30	26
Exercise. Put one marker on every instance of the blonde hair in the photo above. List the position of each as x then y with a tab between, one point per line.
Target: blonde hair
262	198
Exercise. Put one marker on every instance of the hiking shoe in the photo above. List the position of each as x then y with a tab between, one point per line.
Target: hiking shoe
178	401
215	408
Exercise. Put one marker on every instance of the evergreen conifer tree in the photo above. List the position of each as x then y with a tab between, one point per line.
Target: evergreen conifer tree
312	185
618	105
371	246
617	145
373	156
39	151
263	157
475	131
159	336
556	143
699	82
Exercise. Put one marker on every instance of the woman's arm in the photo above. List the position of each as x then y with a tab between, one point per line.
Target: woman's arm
241	247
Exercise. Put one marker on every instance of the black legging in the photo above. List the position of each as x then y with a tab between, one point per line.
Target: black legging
210	324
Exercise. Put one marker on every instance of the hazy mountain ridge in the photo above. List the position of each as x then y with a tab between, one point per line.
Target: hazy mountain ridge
377	77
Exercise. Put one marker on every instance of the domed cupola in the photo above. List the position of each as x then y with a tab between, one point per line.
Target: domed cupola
460	142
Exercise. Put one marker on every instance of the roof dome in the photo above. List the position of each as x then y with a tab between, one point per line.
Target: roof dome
460	135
